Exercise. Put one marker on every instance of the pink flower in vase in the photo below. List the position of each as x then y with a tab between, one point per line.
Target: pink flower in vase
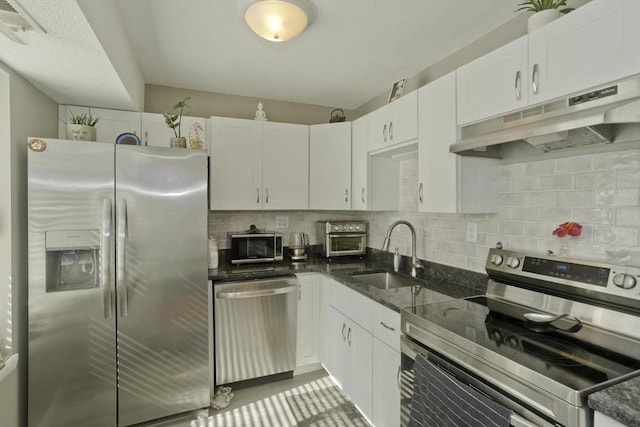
568	229
571	229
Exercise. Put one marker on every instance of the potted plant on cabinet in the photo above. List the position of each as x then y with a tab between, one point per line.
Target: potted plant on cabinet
173	121
545	11
82	127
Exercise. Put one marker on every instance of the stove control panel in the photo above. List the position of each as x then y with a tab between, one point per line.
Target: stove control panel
590	276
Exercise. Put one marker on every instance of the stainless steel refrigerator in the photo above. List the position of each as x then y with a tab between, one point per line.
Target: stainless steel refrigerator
118	295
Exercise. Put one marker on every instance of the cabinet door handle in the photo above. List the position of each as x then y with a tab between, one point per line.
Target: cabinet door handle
420	198
534	78
346	195
344	337
362	195
146	137
517	84
266	195
391	328
349	337
399	381
384	133
257	195
391	131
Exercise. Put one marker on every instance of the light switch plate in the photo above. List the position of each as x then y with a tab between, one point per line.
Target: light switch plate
472	232
282	222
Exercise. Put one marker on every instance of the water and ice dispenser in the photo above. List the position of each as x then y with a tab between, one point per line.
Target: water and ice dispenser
72	259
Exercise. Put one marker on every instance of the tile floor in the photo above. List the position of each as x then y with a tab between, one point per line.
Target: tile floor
307	400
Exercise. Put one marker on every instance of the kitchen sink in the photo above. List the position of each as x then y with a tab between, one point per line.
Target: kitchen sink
384	280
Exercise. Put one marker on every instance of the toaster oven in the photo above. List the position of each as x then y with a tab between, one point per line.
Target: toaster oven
342	238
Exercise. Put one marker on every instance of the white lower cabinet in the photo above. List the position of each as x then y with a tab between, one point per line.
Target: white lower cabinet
602	420
386	367
352	361
308	341
386	391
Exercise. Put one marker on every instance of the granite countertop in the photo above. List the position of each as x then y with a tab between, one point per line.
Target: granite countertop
434	283
619	402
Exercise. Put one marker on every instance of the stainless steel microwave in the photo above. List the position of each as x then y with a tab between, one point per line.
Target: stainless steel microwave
255	246
342	238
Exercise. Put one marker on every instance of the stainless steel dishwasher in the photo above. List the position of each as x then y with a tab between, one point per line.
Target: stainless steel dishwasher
255	328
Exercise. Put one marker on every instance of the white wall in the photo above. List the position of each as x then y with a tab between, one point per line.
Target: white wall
24	112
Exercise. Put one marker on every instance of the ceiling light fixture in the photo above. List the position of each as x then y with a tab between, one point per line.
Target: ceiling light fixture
277	20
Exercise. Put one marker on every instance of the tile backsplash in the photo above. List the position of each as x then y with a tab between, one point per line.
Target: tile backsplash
599	191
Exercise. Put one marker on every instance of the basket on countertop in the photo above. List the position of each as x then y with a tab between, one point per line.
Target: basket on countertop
337	115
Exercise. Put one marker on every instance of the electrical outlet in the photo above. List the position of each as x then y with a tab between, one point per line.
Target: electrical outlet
282	222
472	232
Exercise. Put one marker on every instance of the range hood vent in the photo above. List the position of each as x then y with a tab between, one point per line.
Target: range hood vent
579	120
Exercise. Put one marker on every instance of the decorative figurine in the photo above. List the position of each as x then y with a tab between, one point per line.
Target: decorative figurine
194	136
260	114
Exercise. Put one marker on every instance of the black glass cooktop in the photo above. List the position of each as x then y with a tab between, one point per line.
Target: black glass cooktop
559	350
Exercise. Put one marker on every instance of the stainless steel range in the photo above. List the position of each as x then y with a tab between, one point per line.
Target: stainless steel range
511	345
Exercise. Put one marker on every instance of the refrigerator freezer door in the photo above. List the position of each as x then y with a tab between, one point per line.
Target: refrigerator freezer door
72	342
162	316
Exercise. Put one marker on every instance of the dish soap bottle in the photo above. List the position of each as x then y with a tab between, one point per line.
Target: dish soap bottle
396	261
213	253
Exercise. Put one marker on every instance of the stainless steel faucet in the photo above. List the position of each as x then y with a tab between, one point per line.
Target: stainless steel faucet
414	259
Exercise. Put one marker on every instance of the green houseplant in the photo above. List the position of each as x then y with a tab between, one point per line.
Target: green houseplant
540	5
174	119
82	126
545	11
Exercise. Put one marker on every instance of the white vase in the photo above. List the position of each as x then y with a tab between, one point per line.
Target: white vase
81	132
542	18
178	142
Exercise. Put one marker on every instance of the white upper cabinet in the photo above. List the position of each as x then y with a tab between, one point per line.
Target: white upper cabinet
593	45
156	133
493	83
448	182
235	169
330	166
359	161
111	124
258	165
285	166
394	123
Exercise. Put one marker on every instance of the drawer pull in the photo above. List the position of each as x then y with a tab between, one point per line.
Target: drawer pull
387	326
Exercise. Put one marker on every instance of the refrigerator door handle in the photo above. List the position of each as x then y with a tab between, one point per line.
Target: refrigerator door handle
105	263
121	249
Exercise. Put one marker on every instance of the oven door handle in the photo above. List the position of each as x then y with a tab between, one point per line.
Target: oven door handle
347	235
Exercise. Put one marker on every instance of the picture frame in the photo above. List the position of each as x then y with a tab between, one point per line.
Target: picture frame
397	90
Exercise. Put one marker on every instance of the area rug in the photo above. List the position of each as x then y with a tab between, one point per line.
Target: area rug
326	407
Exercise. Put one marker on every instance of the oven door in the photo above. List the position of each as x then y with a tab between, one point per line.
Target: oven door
521	417
346	244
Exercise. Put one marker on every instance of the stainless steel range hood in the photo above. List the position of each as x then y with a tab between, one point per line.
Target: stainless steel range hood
582	119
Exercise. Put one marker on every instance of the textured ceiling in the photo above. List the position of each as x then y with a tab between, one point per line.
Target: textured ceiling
98	52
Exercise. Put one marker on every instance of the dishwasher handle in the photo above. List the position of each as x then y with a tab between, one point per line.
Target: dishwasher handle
257	293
